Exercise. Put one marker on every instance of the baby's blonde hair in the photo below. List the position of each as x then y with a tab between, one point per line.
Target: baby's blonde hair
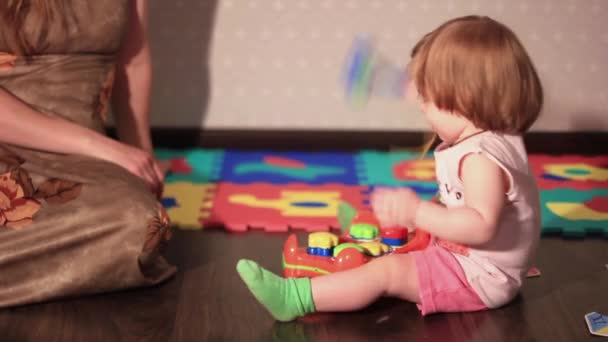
476	67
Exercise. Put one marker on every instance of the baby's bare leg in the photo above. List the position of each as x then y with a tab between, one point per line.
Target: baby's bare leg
393	275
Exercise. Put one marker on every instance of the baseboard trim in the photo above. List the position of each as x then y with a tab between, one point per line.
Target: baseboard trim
286	139
589	143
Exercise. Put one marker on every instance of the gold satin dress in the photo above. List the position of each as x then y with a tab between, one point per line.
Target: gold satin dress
72	225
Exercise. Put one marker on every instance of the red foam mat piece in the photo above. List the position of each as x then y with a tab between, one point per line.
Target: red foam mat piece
278	208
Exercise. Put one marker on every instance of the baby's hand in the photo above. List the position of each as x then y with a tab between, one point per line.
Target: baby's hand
395	207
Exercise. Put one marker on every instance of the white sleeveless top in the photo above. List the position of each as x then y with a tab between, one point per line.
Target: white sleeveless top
497	269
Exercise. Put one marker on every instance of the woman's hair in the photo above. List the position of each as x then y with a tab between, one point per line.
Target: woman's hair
22	39
476	67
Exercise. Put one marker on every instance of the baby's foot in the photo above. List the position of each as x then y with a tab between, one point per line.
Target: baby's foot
285	298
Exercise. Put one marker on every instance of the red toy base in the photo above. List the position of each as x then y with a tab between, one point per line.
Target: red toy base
298	263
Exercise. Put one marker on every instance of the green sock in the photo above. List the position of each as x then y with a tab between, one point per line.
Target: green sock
285	298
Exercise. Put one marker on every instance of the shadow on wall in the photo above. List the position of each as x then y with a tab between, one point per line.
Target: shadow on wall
180	35
588	122
586	135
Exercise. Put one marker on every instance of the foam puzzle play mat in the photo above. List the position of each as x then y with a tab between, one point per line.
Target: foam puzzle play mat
279	191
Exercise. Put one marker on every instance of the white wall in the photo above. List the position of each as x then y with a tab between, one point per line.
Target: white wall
277	63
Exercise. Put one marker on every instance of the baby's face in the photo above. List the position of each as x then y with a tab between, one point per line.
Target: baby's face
449	126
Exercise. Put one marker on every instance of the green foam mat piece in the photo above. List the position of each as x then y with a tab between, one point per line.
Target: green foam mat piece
194	165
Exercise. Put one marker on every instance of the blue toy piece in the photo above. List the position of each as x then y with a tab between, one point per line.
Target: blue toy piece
359	58
368	74
324	252
393	242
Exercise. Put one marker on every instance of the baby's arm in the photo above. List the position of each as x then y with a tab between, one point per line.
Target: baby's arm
485	185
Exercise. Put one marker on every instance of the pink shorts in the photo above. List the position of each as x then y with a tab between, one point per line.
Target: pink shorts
442	284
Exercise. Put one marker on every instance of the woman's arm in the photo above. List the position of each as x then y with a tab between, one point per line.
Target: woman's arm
21	125
131	94
132	83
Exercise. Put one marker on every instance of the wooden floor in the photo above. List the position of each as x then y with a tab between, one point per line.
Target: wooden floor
206	301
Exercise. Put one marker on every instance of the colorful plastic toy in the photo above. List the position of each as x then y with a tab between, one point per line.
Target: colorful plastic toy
361	240
367	74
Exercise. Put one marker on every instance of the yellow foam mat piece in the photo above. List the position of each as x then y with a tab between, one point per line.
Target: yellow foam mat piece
192	203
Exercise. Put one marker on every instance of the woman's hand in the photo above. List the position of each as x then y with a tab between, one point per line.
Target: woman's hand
137	161
396	207
165	166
